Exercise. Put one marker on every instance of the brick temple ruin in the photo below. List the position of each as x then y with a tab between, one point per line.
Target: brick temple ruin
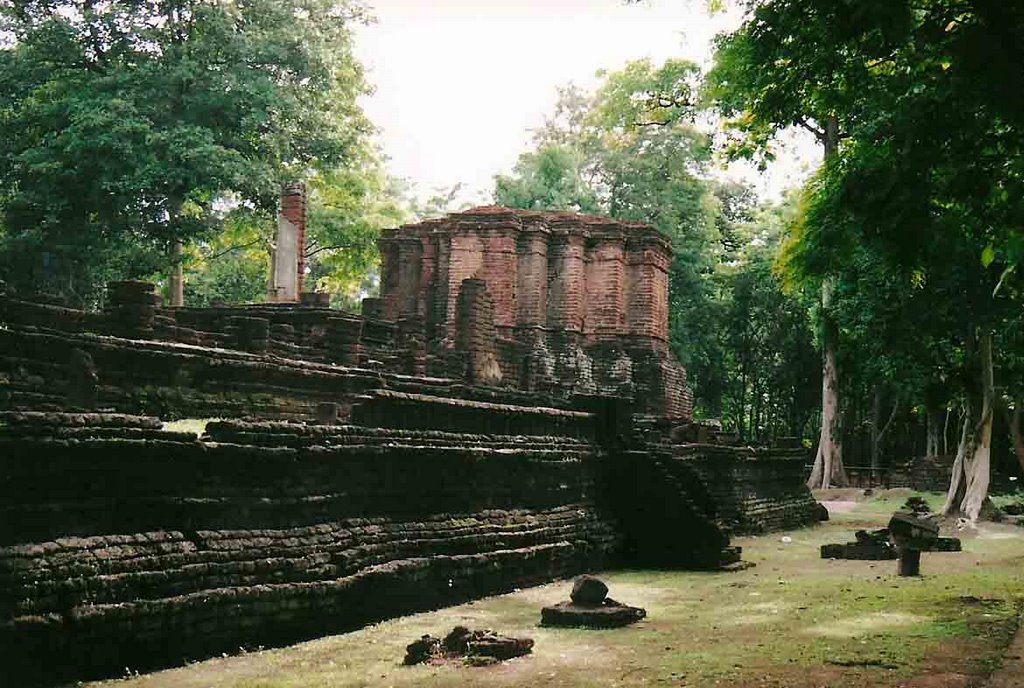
506	413
562	301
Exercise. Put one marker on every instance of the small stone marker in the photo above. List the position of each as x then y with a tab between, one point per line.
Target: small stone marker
588	591
910	534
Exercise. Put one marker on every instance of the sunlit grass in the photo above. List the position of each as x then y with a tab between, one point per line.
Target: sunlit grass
196	426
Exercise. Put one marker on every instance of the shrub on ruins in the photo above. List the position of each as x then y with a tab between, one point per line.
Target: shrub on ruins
126	124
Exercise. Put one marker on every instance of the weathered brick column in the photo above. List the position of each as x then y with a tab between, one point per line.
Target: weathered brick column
566	280
647	261
412	342
532	276
606	283
475	332
289	262
343	340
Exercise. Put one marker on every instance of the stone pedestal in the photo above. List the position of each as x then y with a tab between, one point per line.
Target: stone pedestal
131	308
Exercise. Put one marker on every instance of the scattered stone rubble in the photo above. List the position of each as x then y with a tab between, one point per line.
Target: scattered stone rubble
590	607
475	648
879	545
917	506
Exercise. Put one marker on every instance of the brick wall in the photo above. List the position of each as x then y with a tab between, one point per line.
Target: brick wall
606	287
122	545
560	284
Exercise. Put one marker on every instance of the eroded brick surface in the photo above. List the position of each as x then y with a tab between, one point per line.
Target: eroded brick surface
579	304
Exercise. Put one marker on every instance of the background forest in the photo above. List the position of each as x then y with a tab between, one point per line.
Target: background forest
876	313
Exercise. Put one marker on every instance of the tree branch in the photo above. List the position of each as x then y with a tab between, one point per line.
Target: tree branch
892	416
236	247
310	254
818	133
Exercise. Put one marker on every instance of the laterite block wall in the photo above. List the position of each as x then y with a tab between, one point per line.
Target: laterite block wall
753	490
123	546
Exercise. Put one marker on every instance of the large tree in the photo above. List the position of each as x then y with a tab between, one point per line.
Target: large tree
929	185
779	70
126	123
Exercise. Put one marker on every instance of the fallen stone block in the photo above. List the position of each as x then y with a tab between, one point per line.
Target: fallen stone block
859	551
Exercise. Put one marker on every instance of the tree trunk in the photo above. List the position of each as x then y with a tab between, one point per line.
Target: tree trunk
933	422
1013	420
878	430
968	486
828	468
177	281
945	431
876	435
743	402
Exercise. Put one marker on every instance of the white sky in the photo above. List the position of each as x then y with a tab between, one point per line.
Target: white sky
459	83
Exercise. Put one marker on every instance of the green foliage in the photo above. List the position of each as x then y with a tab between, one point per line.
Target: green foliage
548	178
232	267
348	206
914	221
125	123
797	63
631	150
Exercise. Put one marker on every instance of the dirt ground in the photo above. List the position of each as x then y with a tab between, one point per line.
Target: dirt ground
793	621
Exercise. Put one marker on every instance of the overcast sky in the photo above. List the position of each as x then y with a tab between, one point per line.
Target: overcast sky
459	83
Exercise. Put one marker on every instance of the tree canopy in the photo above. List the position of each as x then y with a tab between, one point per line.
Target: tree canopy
632	150
914	220
128	124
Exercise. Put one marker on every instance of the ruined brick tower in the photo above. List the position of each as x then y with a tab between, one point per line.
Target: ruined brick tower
288	262
547	301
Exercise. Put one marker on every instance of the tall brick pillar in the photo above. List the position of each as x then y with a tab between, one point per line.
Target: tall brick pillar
532	277
566	280
606	284
289	262
647	261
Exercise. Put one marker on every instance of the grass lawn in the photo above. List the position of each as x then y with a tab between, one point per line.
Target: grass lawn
793	621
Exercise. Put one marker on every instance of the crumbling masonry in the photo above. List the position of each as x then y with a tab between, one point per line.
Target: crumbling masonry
505	414
562	302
